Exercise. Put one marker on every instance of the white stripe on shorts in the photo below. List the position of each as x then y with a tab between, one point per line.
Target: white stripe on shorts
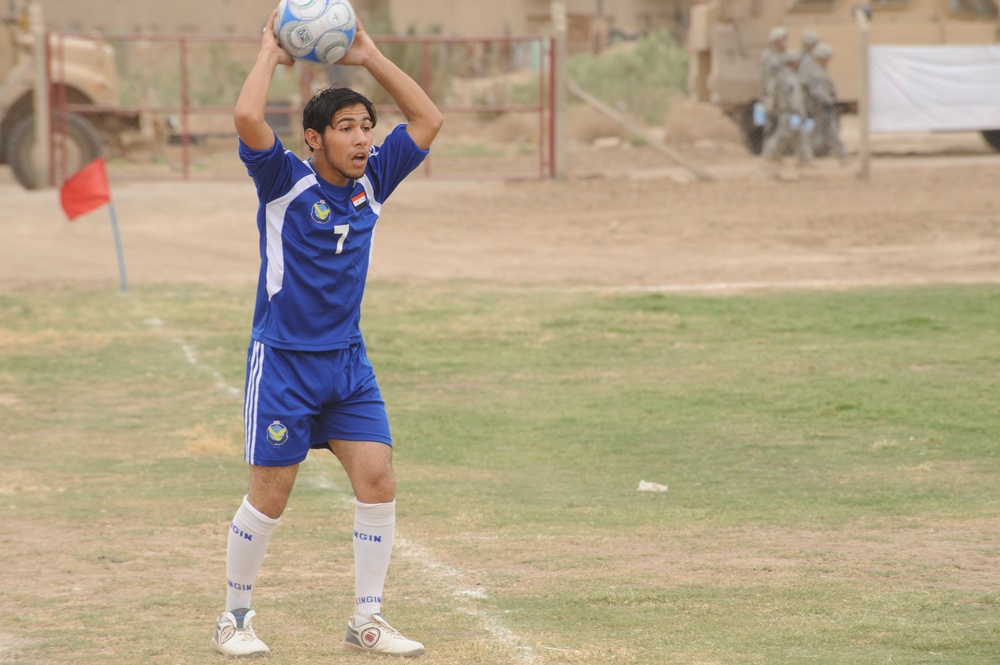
254	372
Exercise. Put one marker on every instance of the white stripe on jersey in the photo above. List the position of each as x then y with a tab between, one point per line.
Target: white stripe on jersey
376	207
274	221
254	372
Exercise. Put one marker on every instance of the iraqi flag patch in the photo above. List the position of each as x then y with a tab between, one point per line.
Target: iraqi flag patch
360	200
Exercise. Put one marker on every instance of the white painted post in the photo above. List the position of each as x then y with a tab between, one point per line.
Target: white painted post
863	19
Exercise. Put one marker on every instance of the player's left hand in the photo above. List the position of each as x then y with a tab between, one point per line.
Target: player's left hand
362	47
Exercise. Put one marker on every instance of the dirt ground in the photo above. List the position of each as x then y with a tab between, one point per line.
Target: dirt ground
623	217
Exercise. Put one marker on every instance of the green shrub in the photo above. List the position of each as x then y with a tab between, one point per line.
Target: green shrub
637	78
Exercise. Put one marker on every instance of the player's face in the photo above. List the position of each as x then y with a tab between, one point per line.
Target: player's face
344	144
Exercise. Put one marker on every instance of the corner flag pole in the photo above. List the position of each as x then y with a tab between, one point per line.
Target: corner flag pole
86	190
118	247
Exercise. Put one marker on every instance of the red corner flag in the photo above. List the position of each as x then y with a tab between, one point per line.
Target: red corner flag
85	190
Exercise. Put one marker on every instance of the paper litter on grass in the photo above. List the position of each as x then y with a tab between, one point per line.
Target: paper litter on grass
646	486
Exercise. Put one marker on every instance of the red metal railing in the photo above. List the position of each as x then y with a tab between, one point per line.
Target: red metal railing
186	110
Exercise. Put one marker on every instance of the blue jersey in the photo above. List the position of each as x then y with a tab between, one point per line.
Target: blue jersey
315	242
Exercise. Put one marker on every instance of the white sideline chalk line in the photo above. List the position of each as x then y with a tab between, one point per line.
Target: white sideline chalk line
220	382
453	578
818	284
799	284
192	357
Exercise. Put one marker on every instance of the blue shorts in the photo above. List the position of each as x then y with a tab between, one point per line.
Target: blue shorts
297	400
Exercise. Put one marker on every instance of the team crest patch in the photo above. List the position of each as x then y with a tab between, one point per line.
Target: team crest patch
360	200
370	636
277	434
320	212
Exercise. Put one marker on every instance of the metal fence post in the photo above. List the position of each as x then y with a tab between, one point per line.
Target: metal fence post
560	28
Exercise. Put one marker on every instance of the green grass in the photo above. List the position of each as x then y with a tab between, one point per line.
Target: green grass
832	464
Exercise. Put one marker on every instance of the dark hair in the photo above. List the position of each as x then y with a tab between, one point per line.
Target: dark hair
319	110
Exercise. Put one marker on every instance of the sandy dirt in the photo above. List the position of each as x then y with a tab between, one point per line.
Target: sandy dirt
623	217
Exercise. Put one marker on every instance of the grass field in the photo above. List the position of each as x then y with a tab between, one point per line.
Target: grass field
831	457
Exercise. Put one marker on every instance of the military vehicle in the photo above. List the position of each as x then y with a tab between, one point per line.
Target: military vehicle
726	39
83	72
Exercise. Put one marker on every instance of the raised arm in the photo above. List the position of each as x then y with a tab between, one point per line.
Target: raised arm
423	118
249	114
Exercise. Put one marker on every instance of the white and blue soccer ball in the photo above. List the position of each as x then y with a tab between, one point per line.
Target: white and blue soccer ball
319	31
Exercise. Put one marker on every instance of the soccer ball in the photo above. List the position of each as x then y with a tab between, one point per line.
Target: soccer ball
319	31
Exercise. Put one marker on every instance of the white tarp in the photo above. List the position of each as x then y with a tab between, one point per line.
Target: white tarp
934	88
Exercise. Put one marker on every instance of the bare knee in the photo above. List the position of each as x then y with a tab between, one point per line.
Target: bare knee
270	487
369	466
380	488
375	483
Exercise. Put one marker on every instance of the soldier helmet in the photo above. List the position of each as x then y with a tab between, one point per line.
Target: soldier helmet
777	34
810	38
823	51
792	57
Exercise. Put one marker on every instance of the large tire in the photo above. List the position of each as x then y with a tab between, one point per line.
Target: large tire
992	137
750	133
83	145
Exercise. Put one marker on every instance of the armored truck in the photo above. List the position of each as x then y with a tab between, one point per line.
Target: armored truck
82	72
726	39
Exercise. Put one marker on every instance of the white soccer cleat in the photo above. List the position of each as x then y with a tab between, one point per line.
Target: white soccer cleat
377	636
234	635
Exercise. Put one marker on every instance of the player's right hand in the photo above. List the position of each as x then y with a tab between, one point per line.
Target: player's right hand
269	42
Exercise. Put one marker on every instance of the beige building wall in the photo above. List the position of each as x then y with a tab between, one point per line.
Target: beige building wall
226	17
465	18
449	17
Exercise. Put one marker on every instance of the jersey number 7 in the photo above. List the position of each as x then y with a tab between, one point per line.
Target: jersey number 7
341	230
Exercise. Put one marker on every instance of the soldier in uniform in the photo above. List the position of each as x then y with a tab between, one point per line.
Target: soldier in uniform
771	64
792	121
822	103
807	65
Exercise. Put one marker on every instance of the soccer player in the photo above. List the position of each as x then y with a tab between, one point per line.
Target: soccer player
309	383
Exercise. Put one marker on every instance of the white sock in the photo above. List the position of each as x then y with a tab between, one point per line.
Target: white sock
248	535
374	525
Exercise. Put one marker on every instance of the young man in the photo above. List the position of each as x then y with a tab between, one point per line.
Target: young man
807	63
791	132
771	64
822	95
309	383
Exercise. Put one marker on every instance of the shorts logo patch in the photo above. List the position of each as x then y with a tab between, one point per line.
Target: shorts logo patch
370	636
277	434
320	212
